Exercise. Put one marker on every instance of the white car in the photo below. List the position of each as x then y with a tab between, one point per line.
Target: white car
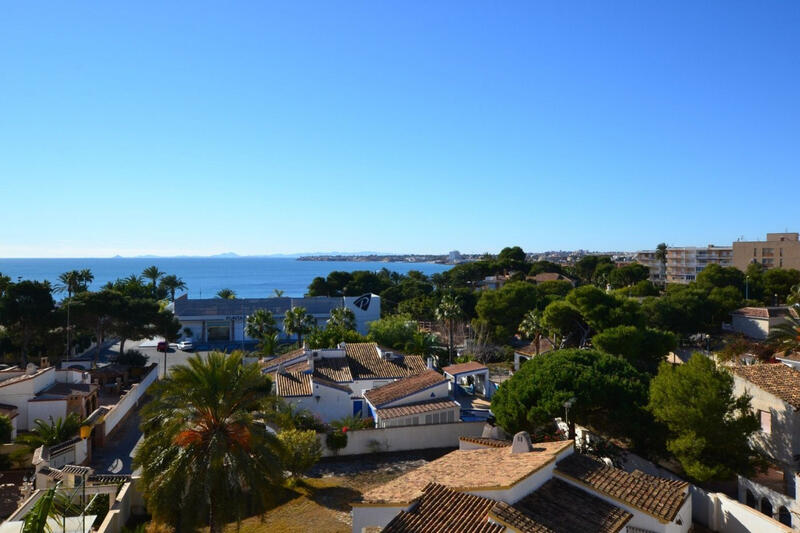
186	345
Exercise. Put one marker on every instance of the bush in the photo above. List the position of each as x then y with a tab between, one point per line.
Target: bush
301	450
336	439
351	422
6	429
132	358
98	506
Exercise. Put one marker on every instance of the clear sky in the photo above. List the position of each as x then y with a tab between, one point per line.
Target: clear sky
265	127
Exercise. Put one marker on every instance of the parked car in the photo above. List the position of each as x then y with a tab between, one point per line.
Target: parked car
163	346
186	345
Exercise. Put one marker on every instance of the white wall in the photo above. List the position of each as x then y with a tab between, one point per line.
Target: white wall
374	516
128	401
405	438
333	404
755	328
44	409
720	513
20	392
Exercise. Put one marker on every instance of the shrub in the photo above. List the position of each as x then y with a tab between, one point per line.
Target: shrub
351	423
336	439
301	450
6	429
132	358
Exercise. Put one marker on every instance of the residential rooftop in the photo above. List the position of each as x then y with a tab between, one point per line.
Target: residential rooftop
469	470
776	378
415	408
461	368
404	387
765	312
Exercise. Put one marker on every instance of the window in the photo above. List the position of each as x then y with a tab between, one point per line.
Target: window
766	421
768	252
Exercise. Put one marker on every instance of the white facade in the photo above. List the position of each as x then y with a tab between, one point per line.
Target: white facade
327	403
684	263
19	388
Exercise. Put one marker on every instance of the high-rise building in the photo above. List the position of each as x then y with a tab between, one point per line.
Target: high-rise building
684	263
781	250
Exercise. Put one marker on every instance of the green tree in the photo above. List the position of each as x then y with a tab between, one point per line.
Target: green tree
52	432
35	520
606	392
786	336
171	283
532	327
99	311
502	310
134	319
709	427
448	311
153	274
566	322
6	429
226	294
26	310
778	283
511	258
342	317
331	336
394	331
661	257
302	450
628	275
298	322
207	457
601	310
73	282
644	348
261	325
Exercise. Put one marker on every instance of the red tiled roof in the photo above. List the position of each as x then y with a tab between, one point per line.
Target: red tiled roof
777	378
764	312
558	507
487	442
401	388
469	366
292	384
441	510
416	408
366	363
285	359
549	276
333	368
658	497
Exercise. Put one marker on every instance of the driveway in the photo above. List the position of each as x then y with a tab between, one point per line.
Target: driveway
115	456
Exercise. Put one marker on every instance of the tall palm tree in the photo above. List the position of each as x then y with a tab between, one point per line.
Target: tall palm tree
298	322
278	293
532	327
786	336
69	282
171	284
448	311
661	255
342	317
85	277
153	274
261	325
226	294
207	455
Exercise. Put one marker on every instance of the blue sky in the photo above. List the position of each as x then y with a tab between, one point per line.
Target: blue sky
408	126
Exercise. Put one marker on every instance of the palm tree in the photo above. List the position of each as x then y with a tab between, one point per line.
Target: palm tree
298	322
342	317
153	274
207	456
786	336
69	283
85	277
794	296
661	255
171	284
52	432
278	293
533	328
261	325
448	311
226	294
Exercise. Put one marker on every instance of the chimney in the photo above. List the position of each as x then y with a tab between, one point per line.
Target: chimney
310	359
430	363
521	443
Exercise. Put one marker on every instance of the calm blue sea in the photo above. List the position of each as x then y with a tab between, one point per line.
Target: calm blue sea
250	277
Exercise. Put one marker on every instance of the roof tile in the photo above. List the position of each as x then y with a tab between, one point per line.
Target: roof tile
777	378
365	362
416	408
396	390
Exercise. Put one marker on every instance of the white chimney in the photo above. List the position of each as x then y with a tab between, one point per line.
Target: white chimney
521	443
430	363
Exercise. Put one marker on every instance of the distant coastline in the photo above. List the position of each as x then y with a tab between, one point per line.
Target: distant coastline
389	258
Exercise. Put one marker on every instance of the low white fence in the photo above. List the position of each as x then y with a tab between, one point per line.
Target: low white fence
129	400
718	512
73	452
404	438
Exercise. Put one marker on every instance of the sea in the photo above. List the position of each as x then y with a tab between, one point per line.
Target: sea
248	277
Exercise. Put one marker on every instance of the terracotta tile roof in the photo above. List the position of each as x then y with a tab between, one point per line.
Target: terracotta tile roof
765	312
285	359
530	349
487	442
416	408
778	379
333	368
332	384
470	366
469	470
441	509
391	392
548	276
658	497
558	507
292	384
366	363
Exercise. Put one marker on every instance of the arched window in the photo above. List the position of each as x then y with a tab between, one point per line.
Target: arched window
784	516
766	507
750	500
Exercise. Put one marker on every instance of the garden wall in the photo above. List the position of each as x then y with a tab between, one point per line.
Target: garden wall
726	515
403	438
129	401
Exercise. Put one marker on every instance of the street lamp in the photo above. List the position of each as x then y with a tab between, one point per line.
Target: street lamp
569	403
747	287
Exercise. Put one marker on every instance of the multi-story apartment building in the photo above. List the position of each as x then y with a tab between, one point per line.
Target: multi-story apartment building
780	250
684	263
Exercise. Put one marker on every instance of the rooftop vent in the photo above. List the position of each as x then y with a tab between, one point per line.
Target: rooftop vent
521	443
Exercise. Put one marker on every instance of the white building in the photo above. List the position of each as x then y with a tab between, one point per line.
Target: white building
758	322
684	263
221	320
415	400
495	487
44	393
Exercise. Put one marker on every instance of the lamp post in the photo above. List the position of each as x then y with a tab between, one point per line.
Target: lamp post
747	287
569	403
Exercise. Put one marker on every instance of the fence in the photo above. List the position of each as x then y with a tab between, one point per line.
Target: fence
71	452
718	512
404	438
129	400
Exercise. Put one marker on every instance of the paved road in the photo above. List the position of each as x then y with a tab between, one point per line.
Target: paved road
115	456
